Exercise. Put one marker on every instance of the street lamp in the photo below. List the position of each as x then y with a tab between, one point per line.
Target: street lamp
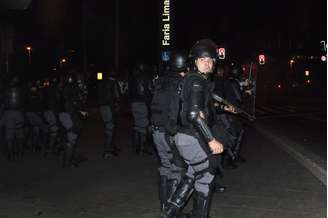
62	61
291	62
29	49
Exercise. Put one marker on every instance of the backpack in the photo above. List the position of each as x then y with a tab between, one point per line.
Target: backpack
174	107
177	113
159	103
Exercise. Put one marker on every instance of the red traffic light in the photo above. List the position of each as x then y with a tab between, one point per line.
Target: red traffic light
221	52
262	59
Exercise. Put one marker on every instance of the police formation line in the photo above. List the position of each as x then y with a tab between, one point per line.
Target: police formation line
196	134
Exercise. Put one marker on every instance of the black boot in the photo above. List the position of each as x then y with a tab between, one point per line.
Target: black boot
51	146
136	142
20	147
10	150
109	150
163	191
219	188
78	158
116	149
240	159
36	147
179	198
143	144
201	206
172	186
228	162
108	154
68	156
237	149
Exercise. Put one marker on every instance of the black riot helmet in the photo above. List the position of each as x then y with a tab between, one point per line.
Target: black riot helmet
204	48
179	61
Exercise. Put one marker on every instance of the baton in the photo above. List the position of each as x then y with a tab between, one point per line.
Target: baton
238	110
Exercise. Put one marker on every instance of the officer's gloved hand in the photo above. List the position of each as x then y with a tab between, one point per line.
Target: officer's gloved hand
215	146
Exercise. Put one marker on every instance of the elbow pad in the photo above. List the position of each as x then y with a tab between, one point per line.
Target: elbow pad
201	126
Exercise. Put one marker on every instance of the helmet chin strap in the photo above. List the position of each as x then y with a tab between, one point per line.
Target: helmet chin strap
205	75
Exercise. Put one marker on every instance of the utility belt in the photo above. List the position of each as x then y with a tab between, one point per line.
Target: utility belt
188	130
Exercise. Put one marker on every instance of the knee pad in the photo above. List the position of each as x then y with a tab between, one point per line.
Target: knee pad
109	126
10	134
182	192
72	137
53	128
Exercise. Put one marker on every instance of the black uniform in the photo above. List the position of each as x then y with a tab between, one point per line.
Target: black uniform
13	119
172	166
194	135
234	94
34	109
52	101
140	88
74	102
191	140
108	97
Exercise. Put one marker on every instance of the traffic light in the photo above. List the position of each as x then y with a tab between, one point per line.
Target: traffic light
221	53
261	59
99	76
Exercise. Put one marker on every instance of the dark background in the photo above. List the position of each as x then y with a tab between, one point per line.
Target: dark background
83	32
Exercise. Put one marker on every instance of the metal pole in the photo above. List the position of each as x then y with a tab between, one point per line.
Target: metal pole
6	51
29	57
117	35
84	39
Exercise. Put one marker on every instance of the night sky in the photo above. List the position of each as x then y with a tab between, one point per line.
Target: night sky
55	26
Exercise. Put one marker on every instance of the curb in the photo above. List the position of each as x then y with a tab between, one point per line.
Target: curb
318	171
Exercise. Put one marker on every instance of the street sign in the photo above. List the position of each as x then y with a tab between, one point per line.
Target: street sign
165	56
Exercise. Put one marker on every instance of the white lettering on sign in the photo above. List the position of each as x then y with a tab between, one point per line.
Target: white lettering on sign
166	23
323	43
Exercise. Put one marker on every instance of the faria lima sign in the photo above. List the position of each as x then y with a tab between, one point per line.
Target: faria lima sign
166	23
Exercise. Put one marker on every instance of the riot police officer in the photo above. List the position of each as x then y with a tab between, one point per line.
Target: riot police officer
34	108
52	100
234	94
74	97
108	99
13	118
194	139
140	88
166	94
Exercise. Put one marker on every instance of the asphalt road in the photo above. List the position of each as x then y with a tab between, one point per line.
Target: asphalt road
271	184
